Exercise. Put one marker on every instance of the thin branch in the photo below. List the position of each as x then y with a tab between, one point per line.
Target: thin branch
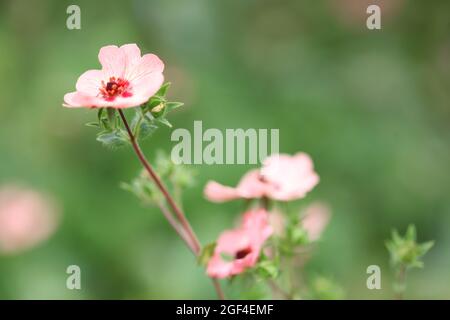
176	226
196	247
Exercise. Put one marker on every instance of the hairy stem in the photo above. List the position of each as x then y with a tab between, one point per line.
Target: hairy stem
196	247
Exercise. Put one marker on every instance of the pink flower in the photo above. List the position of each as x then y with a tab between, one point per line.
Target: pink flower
26	219
125	80
316	218
282	177
239	249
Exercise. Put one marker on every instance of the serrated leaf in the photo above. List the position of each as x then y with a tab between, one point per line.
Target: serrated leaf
142	125
113	139
147	128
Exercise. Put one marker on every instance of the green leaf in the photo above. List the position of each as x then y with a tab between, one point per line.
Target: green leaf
93	124
424	247
173	105
165	122
267	269
396	237
163	90
206	254
297	235
324	288
113	139
411	233
99	114
142	125
147	128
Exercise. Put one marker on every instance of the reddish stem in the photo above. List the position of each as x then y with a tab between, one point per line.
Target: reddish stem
196	247
176	226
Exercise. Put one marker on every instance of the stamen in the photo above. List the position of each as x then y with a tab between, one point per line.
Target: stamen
115	87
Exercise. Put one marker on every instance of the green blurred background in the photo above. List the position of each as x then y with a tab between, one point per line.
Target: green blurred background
370	107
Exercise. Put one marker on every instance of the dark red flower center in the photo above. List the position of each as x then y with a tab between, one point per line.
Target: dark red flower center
241	254
114	87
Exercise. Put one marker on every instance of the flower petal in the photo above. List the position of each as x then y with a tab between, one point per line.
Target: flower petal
89	83
132	53
218	268
147	85
76	100
291	176
251	186
148	64
316	217
113	61
219	193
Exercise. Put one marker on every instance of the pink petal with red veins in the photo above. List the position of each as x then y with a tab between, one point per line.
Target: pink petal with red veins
132	57
132	53
146	86
113	61
148	64
89	83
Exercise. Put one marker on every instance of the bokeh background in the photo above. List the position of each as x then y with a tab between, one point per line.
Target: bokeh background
370	107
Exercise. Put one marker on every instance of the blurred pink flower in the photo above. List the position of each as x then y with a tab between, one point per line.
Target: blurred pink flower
125	80
315	219
26	219
239	249
282	177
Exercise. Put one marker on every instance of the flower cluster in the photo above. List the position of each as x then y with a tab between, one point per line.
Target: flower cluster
270	236
281	178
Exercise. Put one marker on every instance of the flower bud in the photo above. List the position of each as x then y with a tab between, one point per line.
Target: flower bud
158	110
